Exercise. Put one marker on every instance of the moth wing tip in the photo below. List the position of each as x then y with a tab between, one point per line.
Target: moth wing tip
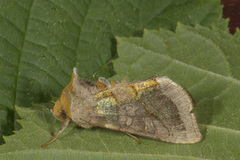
163	79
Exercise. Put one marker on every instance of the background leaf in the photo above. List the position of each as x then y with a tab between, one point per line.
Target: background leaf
197	58
206	63
41	41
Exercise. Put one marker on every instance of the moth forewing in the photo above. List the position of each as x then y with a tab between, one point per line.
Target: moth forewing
156	108
184	105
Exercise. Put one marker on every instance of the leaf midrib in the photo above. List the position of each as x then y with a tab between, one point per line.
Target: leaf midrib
221	128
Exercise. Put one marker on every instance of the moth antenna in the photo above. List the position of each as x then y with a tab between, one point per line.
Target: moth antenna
63	127
134	137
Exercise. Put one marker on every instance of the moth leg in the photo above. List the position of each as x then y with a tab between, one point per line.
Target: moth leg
102	83
134	137
63	127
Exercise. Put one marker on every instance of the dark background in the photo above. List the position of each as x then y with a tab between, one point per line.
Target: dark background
231	10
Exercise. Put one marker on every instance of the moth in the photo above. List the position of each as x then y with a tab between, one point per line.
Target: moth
155	108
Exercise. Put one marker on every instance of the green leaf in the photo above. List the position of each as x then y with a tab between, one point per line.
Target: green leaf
196	58
41	41
205	62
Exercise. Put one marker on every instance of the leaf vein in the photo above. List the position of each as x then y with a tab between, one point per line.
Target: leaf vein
190	65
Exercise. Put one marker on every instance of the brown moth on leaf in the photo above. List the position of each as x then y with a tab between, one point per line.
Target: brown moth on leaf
155	108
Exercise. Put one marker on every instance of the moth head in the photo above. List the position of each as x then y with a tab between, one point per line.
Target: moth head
59	111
